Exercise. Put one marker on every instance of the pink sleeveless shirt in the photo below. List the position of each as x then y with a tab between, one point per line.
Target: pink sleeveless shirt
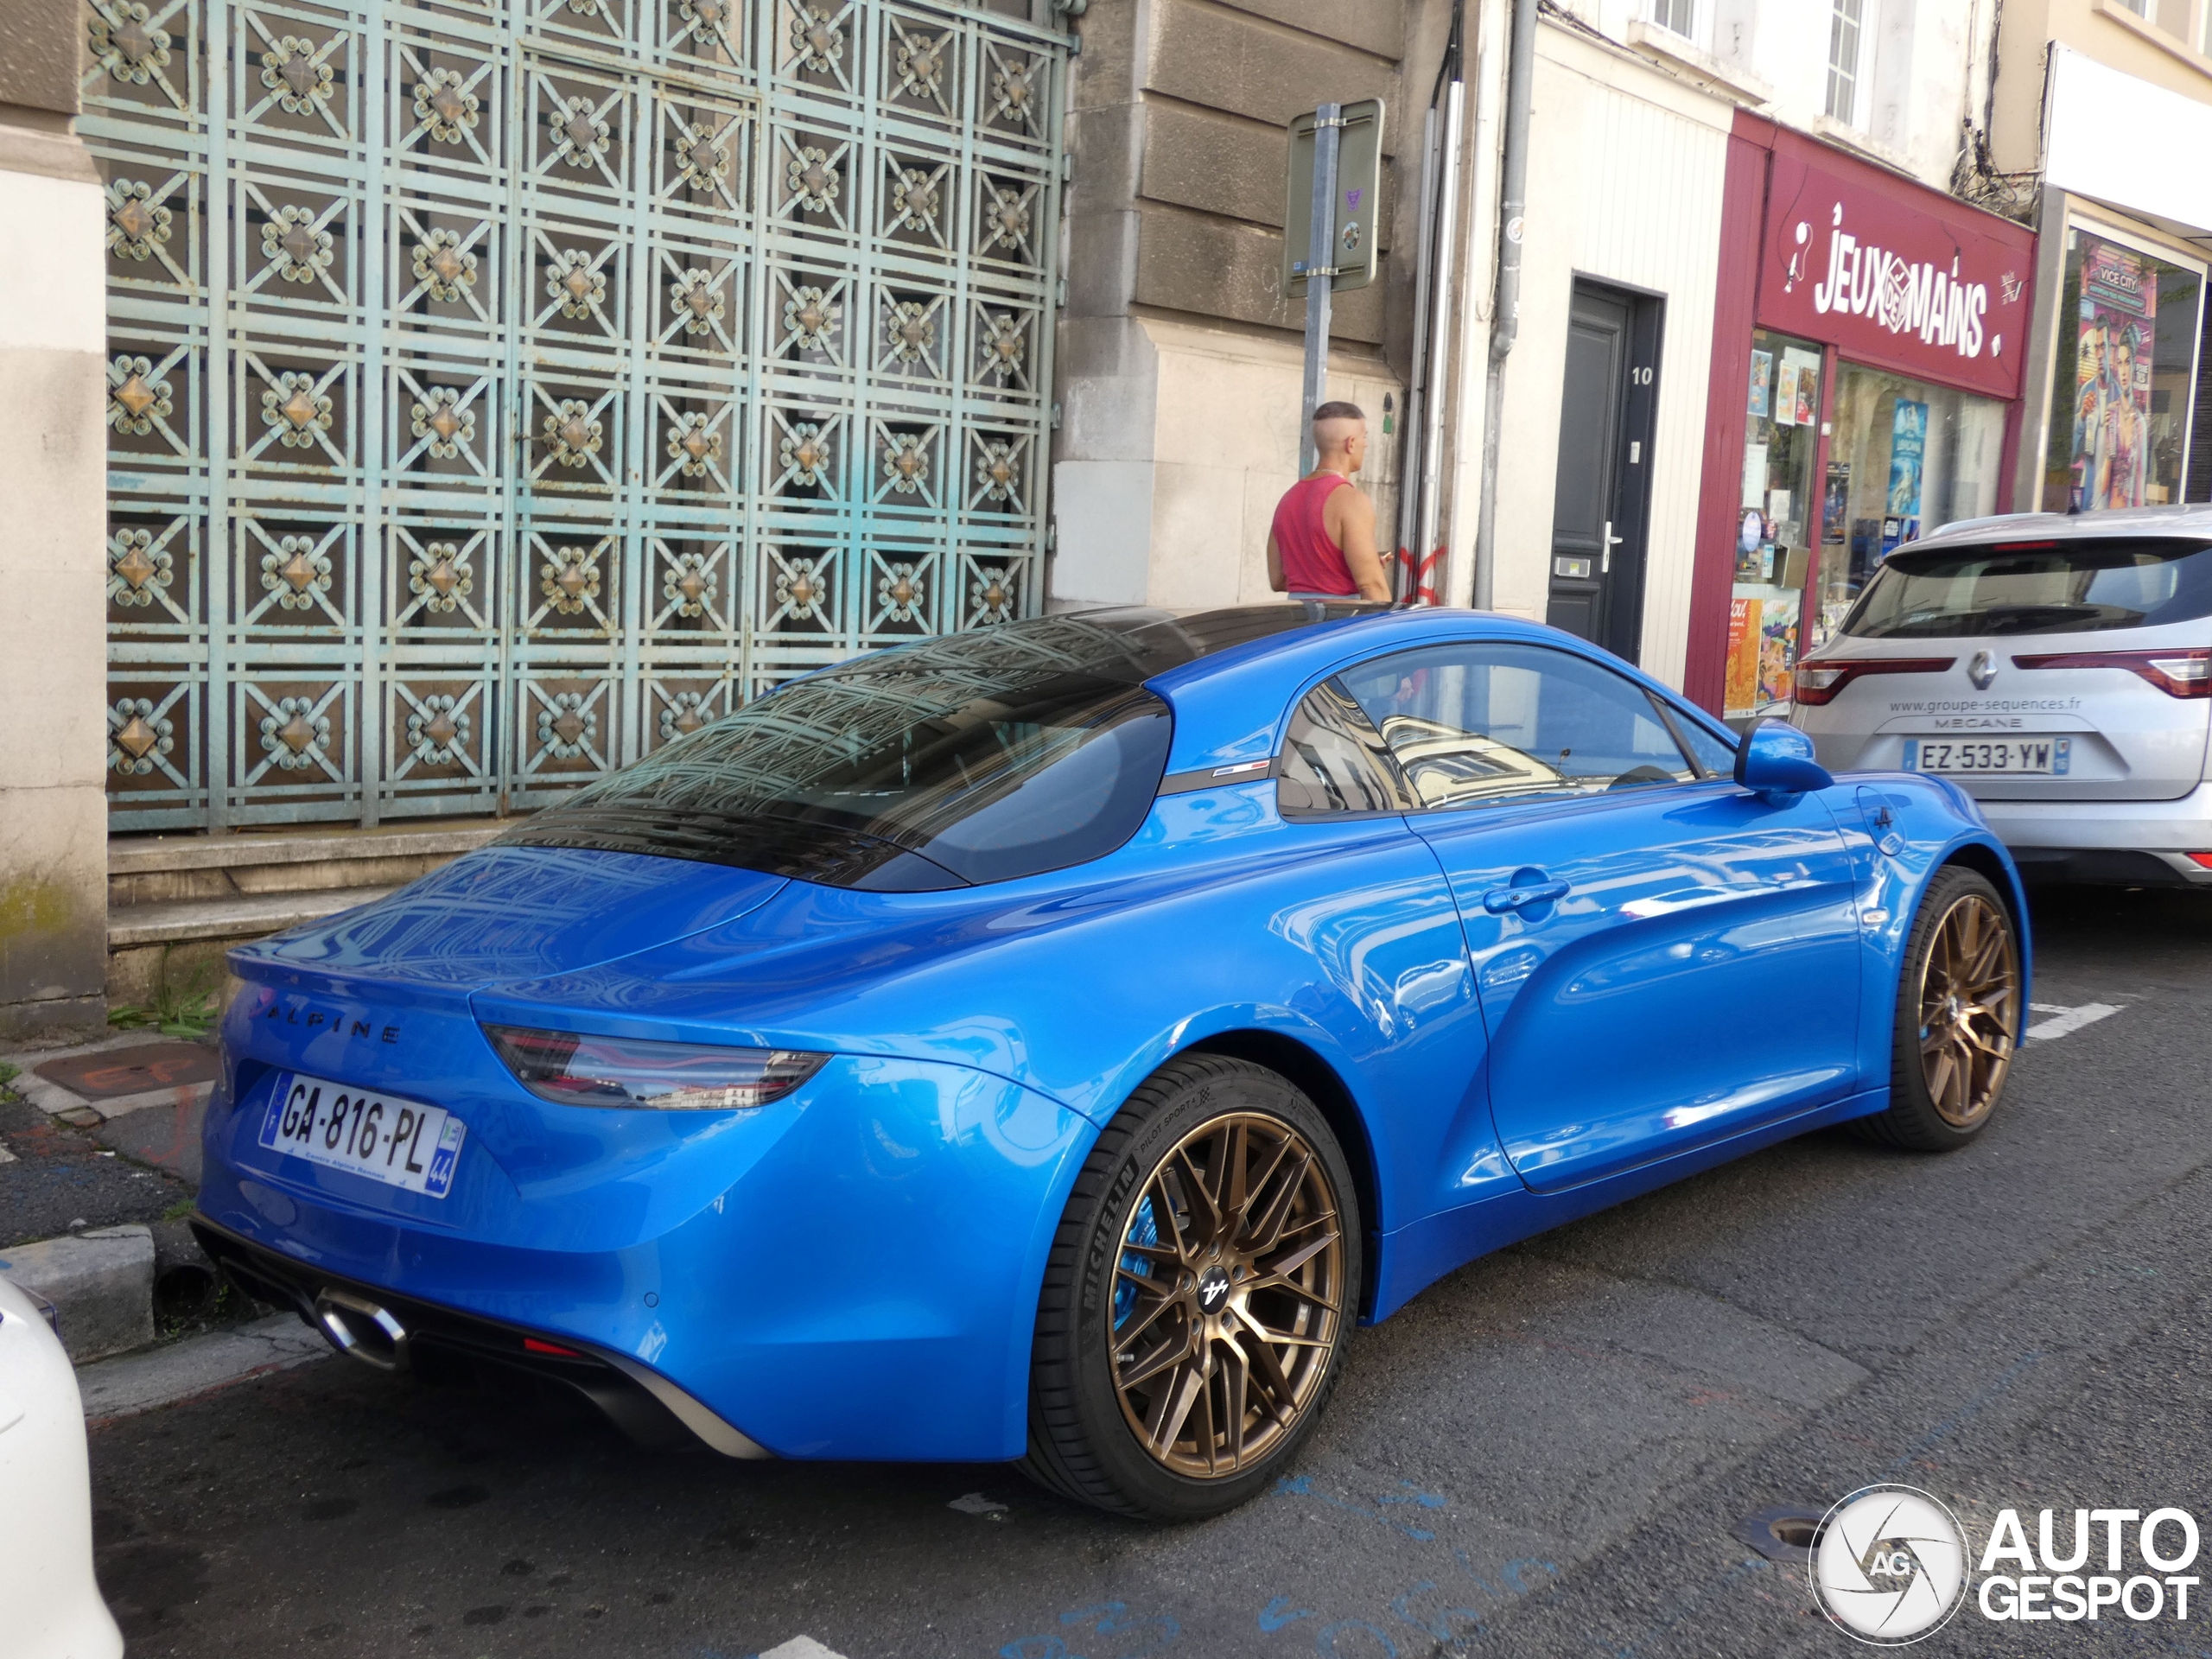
1312	563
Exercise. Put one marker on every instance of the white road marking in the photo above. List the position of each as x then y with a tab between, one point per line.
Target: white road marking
801	1646
6	1156
972	1504
2064	1021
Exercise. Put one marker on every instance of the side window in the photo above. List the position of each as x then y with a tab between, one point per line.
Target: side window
1479	723
1334	760
1713	755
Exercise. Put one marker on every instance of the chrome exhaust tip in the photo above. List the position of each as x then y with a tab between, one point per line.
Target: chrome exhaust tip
363	1329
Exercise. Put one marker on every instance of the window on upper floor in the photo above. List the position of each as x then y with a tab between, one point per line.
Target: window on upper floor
1680	15
1847	59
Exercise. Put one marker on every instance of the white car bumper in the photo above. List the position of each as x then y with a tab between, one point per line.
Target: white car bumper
2139	842
49	1604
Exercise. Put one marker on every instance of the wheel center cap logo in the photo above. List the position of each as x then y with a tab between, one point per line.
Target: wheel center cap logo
1213	1290
1891	1566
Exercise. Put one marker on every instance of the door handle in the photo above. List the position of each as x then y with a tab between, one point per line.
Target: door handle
1606	544
1499	900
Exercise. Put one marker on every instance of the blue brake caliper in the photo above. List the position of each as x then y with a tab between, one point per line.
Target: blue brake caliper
1143	1229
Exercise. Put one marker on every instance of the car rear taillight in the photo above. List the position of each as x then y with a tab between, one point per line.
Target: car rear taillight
1819	682
2202	859
574	1070
2178	673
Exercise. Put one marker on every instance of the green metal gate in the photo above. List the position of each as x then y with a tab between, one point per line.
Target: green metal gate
498	392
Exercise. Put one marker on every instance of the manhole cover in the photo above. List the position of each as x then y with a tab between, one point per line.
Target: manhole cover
133	1070
1785	1533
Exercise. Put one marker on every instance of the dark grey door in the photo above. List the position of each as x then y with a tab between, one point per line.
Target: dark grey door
1599	496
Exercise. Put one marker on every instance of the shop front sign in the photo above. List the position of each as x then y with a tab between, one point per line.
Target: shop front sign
1859	263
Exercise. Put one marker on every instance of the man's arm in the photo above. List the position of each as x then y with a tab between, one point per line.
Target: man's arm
1274	564
1355	532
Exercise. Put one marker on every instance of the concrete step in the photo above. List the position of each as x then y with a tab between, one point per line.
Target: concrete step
239	916
176	903
171	869
101	1284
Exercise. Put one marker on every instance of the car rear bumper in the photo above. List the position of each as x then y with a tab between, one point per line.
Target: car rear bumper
2108	867
864	1286
646	1405
2135	844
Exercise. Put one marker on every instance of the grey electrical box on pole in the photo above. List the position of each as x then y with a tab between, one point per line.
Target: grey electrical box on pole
1329	228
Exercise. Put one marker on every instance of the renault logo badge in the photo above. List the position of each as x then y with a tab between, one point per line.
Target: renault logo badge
1982	670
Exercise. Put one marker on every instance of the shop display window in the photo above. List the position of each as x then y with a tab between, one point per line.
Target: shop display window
1773	534
2123	376
1904	457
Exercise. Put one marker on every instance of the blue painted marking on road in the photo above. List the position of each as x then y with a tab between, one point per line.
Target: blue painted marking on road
1324	1640
1972	1409
1275	1615
1684	1608
1513	1572
1105	1618
1436	1625
1302	1486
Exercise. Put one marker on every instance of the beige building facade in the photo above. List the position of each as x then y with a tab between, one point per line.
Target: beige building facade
2106	107
53	476
1179	361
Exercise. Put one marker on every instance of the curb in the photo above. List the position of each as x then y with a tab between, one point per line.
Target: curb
192	1369
100	1282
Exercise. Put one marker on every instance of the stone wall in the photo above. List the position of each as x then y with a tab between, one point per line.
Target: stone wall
1179	360
53	478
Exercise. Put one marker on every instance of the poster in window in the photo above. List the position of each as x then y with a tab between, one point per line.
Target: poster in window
1740	681
1777	651
1908	453
1762	405
1785	390
2112	376
1835	506
1801	372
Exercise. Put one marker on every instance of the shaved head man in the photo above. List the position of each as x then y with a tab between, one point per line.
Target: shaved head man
1322	543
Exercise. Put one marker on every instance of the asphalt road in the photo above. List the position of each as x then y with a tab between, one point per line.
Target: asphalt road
1544	1454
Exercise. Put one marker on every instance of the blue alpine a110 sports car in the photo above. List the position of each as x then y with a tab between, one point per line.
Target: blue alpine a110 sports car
1047	1042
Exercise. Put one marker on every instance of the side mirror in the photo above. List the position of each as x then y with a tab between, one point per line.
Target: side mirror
1775	758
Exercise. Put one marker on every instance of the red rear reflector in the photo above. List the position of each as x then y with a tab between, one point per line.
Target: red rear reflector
2205	859
1819	682
2179	673
533	1346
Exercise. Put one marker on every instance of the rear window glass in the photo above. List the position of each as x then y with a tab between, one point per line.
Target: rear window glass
903	772
2072	587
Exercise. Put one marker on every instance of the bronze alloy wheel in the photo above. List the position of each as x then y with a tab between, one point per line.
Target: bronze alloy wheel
1969	1009
1229	1296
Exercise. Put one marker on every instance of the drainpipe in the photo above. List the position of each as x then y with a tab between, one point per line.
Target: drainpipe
1505	314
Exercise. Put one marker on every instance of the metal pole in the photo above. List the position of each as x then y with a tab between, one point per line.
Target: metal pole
1447	242
1505	315
1409	472
1320	274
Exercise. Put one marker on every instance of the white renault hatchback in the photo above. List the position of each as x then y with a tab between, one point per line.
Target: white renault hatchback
2057	667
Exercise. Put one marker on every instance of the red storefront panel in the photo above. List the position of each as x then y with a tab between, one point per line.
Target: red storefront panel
1891	274
1879	268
